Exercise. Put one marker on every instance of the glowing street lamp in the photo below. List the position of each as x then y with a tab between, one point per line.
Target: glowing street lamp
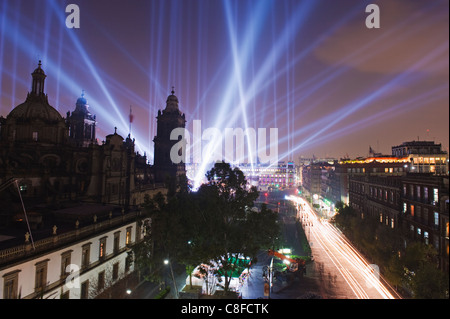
167	262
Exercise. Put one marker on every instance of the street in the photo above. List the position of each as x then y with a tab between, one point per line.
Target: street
337	269
344	270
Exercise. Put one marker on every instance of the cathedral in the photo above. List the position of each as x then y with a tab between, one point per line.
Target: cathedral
56	160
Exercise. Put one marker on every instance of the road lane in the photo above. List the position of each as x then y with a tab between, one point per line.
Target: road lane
357	279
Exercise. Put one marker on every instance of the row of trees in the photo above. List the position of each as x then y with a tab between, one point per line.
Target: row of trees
208	226
406	263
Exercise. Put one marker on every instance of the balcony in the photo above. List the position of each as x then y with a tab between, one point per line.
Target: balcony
52	242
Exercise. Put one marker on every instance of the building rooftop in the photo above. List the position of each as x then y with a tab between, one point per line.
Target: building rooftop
65	220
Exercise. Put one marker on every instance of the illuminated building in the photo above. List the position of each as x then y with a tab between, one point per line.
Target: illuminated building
316	178
408	192
425	156
312	178
374	187
425	209
271	177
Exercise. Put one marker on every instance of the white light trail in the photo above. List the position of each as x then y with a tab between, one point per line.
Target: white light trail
358	274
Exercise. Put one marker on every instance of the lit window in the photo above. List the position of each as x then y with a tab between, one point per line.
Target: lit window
102	248
436	218
35	136
128	236
435	196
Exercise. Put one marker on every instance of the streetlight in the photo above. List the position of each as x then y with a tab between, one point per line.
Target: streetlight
167	262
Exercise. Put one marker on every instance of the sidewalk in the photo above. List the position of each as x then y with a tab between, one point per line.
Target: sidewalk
149	290
145	290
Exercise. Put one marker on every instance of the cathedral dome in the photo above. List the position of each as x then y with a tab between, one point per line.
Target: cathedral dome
172	98
172	102
39	70
82	100
36	105
33	109
82	105
35	120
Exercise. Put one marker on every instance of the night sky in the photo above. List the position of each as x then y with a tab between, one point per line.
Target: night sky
311	68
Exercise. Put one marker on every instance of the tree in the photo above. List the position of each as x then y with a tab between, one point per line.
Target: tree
211	226
430	283
166	235
229	223
344	216
394	271
425	279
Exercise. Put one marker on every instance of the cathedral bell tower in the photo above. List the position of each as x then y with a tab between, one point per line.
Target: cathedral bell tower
37	85
81	123
168	120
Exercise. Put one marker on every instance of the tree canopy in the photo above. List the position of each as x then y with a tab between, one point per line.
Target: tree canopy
405	262
210	226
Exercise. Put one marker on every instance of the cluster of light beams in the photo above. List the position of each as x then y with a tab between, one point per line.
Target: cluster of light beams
266	76
324	129
240	86
254	78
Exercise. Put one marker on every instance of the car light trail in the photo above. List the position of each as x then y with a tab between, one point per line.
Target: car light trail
329	244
